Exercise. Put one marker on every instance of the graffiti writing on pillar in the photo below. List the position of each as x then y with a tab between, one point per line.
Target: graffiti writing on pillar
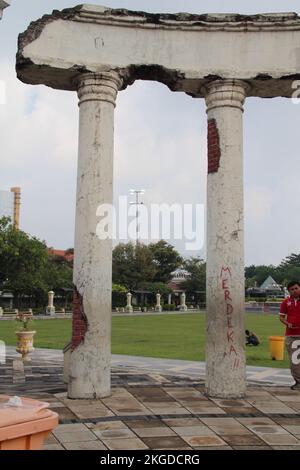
225	276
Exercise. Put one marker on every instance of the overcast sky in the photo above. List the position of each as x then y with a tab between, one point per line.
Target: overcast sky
160	142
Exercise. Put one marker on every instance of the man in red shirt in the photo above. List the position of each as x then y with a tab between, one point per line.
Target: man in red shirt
290	316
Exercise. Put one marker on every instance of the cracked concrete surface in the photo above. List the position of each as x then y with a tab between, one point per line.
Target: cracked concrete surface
179	50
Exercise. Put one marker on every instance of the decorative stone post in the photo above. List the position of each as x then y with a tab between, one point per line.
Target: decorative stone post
225	338
158	306
129	308
89	373
183	307
50	308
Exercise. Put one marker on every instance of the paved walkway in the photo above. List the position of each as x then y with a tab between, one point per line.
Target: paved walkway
193	369
159	404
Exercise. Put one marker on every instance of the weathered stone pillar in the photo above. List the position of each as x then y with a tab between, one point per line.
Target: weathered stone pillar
225	338
129	308
158	306
91	337
183	307
50	308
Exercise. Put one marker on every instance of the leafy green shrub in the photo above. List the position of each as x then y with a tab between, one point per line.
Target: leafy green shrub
169	307
38	310
255	299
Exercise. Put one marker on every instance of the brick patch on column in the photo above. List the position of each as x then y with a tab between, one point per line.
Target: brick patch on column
79	320
213	146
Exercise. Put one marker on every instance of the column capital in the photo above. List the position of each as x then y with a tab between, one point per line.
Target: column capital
228	92
101	86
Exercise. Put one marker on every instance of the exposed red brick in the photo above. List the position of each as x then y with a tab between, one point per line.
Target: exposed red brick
213	146
79	320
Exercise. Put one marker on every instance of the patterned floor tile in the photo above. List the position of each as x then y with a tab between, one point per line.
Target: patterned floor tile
198	441
88	445
124	444
154	432
166	443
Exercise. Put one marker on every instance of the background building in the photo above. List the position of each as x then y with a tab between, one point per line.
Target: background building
66	255
10	202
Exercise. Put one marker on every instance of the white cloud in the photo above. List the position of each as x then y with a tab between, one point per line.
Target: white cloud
258	205
169	161
39	153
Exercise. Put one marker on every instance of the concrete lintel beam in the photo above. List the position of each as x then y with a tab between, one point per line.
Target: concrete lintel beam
182	50
3	4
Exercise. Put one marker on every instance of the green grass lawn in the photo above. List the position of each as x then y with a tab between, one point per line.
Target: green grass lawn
167	336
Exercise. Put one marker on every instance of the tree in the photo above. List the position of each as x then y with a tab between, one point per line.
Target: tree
250	282
291	260
155	287
123	264
132	265
260	273
145	266
196	267
58	273
135	265
118	295
287	273
27	269
250	271
166	258
23	260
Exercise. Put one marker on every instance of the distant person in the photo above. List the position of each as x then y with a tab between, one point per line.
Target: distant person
290	317
251	338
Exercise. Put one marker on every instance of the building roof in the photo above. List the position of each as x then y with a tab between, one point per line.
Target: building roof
270	283
62	254
179	275
174	286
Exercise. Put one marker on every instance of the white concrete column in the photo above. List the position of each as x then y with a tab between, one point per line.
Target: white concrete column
158	306
225	338
90	359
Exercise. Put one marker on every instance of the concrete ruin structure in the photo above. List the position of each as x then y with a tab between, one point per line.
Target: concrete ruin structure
3	4
97	52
